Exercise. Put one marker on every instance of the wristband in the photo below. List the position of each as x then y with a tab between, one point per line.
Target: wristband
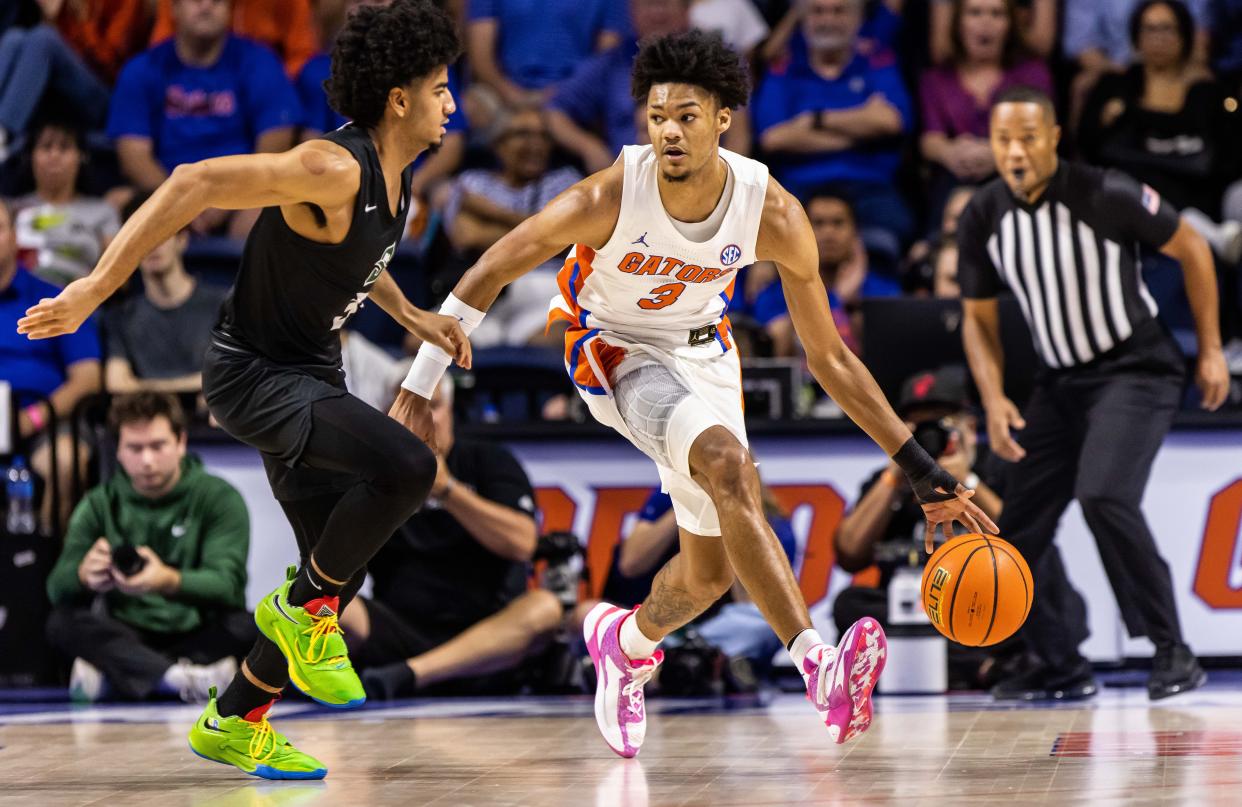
431	362
467	315
426	371
34	413
924	474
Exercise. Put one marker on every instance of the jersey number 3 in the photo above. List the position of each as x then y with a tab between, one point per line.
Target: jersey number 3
665	296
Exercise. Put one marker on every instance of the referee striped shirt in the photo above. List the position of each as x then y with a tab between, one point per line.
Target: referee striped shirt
1071	259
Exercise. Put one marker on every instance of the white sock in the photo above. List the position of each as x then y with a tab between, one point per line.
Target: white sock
801	645
634	643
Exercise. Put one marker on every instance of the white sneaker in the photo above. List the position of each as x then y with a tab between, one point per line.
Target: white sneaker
194	682
86	682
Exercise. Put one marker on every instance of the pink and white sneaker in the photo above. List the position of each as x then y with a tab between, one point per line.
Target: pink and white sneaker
619	707
839	679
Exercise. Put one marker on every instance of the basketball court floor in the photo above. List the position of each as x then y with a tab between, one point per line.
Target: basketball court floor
952	750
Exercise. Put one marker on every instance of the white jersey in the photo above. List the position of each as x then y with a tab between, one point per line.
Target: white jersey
651	284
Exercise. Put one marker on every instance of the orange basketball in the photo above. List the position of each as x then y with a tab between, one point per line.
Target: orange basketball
977	589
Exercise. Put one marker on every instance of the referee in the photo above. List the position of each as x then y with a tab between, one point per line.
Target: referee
1064	238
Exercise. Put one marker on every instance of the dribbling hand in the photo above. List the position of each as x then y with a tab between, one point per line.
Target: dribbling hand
959	508
1002	417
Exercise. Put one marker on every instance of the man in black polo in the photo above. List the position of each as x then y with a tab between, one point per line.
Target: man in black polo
1064	239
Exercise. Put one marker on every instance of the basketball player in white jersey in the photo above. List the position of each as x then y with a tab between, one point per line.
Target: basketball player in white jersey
658	239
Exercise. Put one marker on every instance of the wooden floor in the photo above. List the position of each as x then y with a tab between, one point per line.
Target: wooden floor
938	751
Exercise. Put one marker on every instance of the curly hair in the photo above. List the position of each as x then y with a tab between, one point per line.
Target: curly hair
696	58
382	47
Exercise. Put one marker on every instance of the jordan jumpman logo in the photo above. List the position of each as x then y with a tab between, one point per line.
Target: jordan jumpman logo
642	239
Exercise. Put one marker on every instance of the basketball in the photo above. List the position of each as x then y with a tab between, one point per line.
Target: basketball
977	590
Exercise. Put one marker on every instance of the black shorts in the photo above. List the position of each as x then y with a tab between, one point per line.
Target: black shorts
268	406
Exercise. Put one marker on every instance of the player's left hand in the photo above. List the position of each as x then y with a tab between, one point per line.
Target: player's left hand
445	333
154	576
1212	376
958	508
62	314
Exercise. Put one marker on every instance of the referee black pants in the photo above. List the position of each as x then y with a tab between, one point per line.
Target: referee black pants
1092	435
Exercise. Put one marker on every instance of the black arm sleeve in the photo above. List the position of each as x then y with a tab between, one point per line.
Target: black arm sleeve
1138	209
975	271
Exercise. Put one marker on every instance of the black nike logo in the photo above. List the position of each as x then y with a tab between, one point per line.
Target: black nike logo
283	612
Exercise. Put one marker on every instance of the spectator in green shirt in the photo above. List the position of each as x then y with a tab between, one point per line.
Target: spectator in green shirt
176	625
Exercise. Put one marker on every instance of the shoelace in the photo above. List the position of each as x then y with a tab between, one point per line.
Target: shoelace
262	735
823	682
320	629
633	691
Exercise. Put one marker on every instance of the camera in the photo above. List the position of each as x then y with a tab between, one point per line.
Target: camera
935	436
127	560
562	552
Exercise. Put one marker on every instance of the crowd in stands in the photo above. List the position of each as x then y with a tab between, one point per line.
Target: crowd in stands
873	112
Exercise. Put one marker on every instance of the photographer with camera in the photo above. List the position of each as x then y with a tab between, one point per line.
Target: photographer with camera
886	525
149	590
450	600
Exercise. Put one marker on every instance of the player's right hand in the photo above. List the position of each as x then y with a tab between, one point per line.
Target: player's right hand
1002	417
61	314
414	412
445	333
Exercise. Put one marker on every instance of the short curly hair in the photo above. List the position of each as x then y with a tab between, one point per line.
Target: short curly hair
696	58
382	47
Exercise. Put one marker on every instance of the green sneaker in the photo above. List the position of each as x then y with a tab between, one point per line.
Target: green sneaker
251	745
313	644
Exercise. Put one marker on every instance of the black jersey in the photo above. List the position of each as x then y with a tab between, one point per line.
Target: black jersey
292	294
1072	258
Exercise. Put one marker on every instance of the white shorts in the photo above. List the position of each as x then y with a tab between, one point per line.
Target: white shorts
661	403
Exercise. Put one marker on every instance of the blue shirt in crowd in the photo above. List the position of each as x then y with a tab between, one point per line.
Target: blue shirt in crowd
597	95
540	42
1105	25
792	88
318	115
38	366
194	113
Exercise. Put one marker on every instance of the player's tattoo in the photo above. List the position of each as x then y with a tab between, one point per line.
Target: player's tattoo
670	606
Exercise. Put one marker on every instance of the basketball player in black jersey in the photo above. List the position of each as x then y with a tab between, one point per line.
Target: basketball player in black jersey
346	475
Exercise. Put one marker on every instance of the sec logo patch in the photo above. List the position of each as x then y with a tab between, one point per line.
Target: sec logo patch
730	255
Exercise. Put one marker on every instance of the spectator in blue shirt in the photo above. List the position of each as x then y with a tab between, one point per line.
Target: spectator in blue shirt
518	49
63	370
838	115
592	114
205	93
